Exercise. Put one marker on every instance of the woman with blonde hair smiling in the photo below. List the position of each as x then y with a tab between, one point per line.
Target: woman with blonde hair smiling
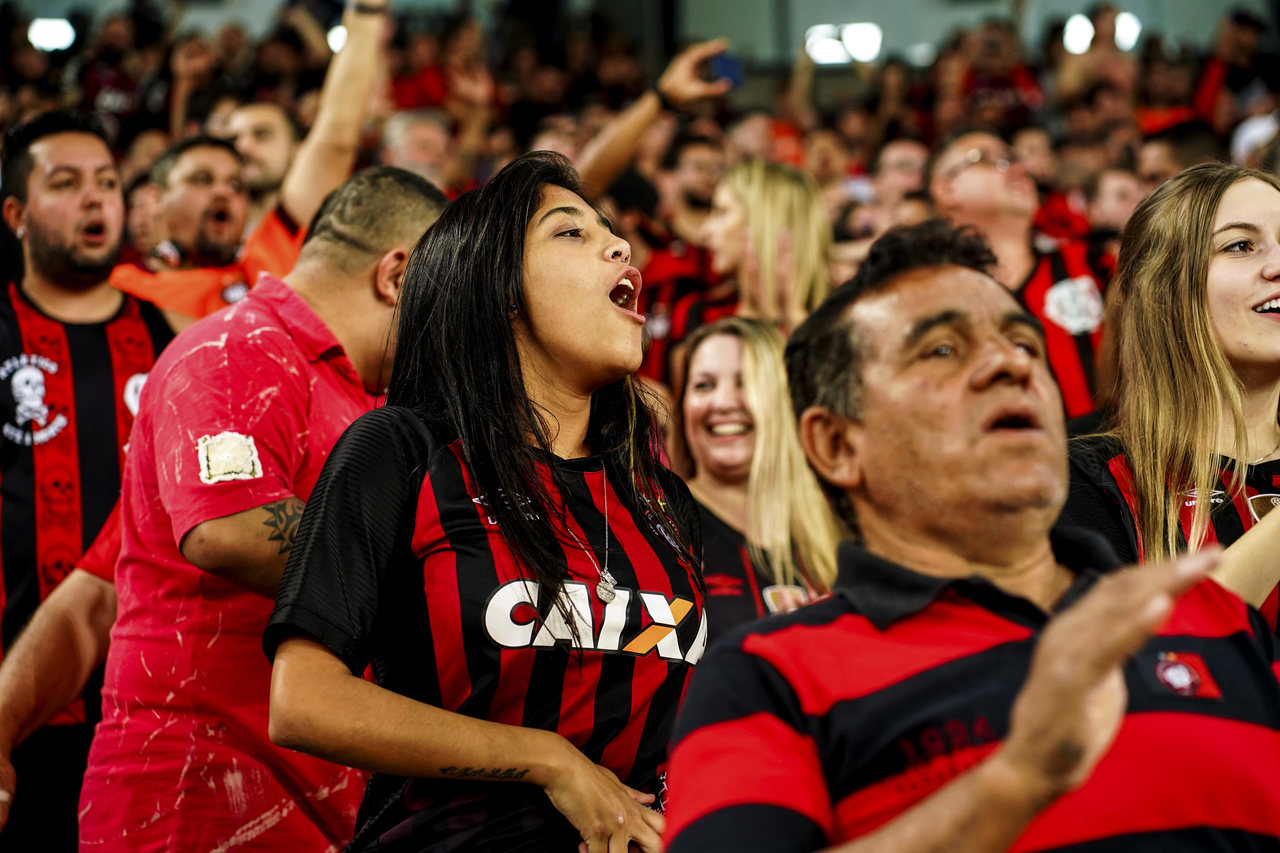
1192	456
769	537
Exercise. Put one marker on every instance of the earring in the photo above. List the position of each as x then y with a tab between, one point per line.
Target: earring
512	310
20	233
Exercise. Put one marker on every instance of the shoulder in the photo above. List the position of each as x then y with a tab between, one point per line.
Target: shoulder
1095	456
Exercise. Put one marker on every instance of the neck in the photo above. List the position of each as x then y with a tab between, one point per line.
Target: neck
93	304
1010	550
1010	241
345	310
727	500
566	412
259	207
1262	435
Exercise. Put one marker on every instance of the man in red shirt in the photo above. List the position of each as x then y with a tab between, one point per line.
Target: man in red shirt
228	445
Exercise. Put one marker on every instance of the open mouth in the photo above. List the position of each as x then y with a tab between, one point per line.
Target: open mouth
1271	306
626	291
220	215
1013	420
729	429
94	229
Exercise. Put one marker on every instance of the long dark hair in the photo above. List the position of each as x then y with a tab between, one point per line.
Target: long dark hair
457	364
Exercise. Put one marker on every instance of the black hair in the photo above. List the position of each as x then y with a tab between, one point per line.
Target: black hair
941	146
16	161
374	206
296	127
457	364
683	140
1191	143
825	353
884	143
164	163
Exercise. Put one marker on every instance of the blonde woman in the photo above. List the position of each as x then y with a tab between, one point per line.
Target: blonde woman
769	238
769	537
1193	453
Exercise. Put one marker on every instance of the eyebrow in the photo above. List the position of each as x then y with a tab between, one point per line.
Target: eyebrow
953	317
1023	318
1243	226
573	211
925	325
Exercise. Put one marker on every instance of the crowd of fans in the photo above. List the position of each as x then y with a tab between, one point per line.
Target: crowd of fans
729	223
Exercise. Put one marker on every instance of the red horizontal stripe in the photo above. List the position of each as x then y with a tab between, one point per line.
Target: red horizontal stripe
865	810
1170	771
1208	610
754	760
946	631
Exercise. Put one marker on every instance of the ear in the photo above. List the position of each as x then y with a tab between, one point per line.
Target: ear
388	275
831	442
15	213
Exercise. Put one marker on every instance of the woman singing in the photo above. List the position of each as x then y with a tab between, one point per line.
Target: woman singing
501	547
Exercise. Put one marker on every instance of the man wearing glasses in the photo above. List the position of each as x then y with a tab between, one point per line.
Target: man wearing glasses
975	180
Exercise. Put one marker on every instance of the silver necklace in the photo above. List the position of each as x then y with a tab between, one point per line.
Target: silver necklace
606	589
1254	462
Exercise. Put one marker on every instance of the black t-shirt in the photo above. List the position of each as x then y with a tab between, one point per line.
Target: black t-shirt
738	591
399	566
1101	499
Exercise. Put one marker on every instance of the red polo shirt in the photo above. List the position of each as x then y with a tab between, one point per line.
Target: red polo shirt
241	411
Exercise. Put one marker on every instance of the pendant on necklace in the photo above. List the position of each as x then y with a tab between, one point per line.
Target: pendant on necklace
605	591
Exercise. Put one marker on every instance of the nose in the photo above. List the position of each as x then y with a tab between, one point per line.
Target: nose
1001	360
726	397
619	250
1271	263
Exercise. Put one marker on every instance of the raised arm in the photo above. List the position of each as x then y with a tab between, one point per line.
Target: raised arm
612	149
328	154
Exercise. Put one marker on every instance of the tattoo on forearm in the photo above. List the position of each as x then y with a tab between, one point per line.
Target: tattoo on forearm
484	772
283	518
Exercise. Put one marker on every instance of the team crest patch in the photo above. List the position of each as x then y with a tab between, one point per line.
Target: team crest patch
228	456
1186	674
1074	304
33	422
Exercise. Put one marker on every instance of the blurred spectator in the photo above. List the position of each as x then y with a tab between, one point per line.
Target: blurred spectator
1239	79
1168	152
975	181
898	169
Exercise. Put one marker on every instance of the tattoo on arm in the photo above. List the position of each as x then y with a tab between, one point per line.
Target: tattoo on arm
511	773
283	517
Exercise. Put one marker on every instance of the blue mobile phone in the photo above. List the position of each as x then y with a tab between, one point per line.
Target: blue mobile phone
724	66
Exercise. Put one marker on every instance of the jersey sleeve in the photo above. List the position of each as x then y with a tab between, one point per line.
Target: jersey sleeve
745	774
358	526
229	427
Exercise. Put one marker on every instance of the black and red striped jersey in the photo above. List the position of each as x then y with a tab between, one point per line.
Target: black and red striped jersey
671	274
399	566
818	726
1102	499
1064	292
68	395
738	590
690	312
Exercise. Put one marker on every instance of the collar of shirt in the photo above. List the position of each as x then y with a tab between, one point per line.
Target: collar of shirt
311	334
885	592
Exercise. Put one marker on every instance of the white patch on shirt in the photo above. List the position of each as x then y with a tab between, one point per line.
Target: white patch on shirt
228	456
1075	304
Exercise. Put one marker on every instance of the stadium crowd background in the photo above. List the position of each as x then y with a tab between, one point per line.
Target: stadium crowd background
742	186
